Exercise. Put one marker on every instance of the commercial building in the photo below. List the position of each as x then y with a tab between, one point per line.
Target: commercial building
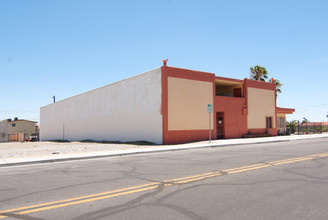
165	106
17	129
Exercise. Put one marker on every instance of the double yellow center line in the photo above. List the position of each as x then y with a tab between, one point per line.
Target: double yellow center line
150	186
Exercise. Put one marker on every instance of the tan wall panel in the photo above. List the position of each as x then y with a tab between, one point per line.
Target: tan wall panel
261	104
187	104
281	115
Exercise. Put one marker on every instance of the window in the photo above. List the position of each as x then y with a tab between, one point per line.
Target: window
13	125
281	122
268	122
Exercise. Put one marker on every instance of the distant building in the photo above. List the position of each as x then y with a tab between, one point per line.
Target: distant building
313	127
167	105
16	130
315	124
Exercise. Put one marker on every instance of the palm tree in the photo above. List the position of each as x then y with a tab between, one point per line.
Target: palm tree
278	85
292	125
259	73
304	121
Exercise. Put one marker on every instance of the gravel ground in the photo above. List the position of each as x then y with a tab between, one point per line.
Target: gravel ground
37	149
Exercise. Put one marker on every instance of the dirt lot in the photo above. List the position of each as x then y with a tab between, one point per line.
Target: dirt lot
36	149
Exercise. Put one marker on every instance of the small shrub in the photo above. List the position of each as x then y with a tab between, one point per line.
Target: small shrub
139	143
60	141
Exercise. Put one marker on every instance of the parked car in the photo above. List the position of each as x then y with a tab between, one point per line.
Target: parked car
33	138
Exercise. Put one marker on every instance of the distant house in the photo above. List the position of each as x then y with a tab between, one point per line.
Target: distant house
16	130
167	105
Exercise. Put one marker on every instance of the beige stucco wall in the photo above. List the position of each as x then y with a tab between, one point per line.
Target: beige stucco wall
3	131
21	126
128	110
281	115
187	104
261	104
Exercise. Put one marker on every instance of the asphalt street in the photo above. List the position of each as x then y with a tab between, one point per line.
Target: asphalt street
285	180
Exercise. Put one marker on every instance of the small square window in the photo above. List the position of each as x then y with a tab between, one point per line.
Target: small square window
13	125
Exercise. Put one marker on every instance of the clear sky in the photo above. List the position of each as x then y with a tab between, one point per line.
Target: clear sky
66	47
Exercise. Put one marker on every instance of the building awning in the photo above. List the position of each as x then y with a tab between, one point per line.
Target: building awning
285	110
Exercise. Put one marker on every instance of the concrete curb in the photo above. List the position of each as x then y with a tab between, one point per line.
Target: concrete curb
200	145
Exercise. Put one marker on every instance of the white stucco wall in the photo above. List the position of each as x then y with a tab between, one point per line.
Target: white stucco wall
128	110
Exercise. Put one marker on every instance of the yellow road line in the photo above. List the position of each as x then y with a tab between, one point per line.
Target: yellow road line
150	186
87	200
77	198
252	168
244	167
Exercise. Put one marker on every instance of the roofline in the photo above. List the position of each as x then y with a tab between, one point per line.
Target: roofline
92	90
229	79
6	120
172	67
260	84
285	110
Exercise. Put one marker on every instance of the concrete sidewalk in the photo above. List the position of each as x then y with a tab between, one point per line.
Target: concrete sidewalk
5	162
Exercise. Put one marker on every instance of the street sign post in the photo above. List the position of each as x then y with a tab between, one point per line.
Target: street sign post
209	110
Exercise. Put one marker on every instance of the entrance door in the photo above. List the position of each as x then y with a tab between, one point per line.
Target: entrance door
220	125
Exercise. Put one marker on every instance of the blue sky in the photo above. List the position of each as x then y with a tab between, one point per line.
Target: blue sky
67	47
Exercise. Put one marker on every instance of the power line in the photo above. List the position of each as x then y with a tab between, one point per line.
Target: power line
311	106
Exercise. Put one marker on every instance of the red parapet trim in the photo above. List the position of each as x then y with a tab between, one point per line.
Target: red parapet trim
229	79
184	136
260	84
189	74
214	112
246	97
285	110
164	108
